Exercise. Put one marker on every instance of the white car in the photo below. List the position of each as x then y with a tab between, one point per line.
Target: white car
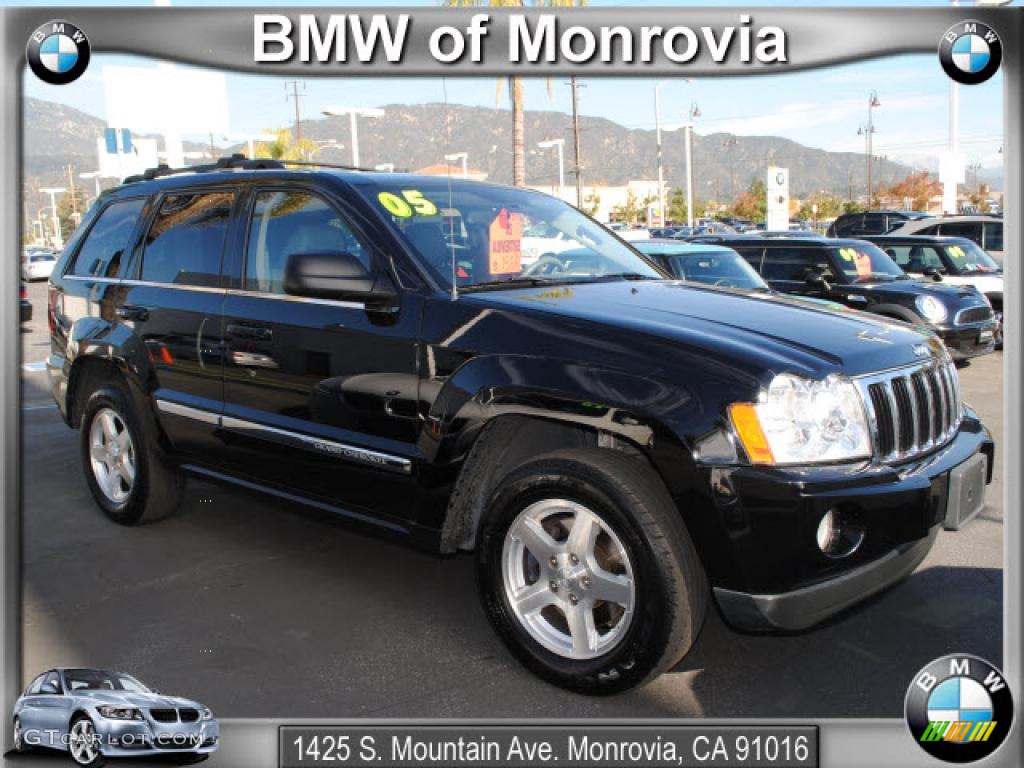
37	265
544	240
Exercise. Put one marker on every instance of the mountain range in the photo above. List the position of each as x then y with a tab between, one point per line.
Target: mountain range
412	137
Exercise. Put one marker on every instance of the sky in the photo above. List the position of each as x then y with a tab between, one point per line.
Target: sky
819	108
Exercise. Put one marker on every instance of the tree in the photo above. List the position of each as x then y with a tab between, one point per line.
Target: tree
515	83
919	188
284	147
67	215
592	204
829	206
677	206
630	210
752	204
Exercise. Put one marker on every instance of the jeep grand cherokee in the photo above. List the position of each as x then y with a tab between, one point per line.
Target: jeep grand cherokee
616	448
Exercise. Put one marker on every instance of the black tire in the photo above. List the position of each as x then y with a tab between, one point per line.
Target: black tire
158	486
671	588
98	760
18	739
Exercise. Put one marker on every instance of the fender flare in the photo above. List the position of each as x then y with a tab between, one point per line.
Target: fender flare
898	312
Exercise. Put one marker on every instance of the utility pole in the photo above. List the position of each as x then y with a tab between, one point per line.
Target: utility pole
296	97
576	141
213	149
661	167
71	188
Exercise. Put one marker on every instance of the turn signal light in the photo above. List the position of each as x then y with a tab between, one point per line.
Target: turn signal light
748	428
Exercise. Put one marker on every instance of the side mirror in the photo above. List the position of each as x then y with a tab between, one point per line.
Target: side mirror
335	275
934	273
815	280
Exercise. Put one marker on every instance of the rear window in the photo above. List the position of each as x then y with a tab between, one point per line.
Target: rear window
794	264
103	249
993	237
185	242
915	258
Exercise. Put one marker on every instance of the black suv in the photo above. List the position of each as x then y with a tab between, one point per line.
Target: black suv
871	222
858	274
615	447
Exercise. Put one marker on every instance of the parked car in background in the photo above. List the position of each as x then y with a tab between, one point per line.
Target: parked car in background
871	222
862	276
699	263
540	239
26	304
93	714
670	233
37	265
986	231
954	260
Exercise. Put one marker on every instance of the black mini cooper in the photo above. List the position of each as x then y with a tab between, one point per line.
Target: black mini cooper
862	276
616	448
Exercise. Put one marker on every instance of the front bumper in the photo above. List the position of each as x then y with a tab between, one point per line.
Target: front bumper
966	341
779	579
127	738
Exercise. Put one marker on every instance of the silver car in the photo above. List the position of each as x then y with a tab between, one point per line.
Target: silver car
94	714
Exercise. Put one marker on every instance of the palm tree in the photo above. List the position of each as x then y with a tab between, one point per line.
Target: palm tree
515	83
284	147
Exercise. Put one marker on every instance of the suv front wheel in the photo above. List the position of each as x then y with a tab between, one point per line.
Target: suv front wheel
126	475
587	572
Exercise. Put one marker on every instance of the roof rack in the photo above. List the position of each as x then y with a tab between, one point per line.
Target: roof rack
235	161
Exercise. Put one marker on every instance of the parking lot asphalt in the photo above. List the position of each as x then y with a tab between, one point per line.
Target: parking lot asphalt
259	609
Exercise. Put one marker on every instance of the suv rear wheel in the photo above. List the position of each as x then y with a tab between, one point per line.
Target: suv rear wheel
125	473
587	572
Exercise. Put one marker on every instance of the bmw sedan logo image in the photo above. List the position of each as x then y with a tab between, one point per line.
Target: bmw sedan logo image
959	708
58	52
970	52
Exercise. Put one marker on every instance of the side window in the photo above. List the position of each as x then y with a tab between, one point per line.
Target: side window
35	685
185	242
932	230
752	255
794	264
874	224
284	223
968	229
100	254
848	223
51	684
993	236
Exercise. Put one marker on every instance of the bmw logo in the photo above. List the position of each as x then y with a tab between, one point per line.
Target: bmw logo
58	52
970	52
959	708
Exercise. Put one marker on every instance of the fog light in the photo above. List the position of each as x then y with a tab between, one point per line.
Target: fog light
838	537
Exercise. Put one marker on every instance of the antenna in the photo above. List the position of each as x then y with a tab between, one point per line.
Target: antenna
451	204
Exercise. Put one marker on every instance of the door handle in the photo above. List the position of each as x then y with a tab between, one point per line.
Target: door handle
250	331
132	312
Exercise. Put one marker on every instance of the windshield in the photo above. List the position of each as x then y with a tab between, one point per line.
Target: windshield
481	228
968	256
98	680
864	263
721	267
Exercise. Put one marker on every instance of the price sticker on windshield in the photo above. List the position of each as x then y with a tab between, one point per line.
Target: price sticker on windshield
862	262
846	254
411	202
956	252
506	244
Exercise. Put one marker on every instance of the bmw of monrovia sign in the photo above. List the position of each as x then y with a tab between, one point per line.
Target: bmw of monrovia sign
777	190
58	52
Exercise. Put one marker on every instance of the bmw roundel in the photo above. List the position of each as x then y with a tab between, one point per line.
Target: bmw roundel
58	52
959	708
970	52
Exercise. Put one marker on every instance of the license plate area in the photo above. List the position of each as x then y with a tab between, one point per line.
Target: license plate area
967	484
984	337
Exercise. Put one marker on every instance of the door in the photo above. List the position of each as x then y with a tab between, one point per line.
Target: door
31	715
52	705
786	269
319	394
175	305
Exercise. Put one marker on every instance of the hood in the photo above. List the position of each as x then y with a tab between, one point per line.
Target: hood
776	332
907	290
138	700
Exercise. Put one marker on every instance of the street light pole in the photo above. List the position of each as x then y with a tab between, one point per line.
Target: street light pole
688	133
870	131
560	144
661	168
58	240
353	113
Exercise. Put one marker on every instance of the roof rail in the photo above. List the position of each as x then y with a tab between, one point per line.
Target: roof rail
232	161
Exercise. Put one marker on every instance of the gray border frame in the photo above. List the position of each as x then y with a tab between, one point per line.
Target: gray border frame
254	742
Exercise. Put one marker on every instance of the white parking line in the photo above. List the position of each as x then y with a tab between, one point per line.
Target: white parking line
36	367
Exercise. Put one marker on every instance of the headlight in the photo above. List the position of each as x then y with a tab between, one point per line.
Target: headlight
207	714
119	713
931	309
799	421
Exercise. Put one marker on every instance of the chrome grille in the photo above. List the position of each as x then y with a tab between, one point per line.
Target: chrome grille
912	410
980	314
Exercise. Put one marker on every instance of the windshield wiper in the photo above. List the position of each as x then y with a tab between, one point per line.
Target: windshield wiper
514	282
620	276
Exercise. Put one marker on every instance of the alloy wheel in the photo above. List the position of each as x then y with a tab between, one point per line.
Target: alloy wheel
568	579
83	742
112	455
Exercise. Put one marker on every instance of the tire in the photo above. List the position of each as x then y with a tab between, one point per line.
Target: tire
18	739
82	726
154	488
641	542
